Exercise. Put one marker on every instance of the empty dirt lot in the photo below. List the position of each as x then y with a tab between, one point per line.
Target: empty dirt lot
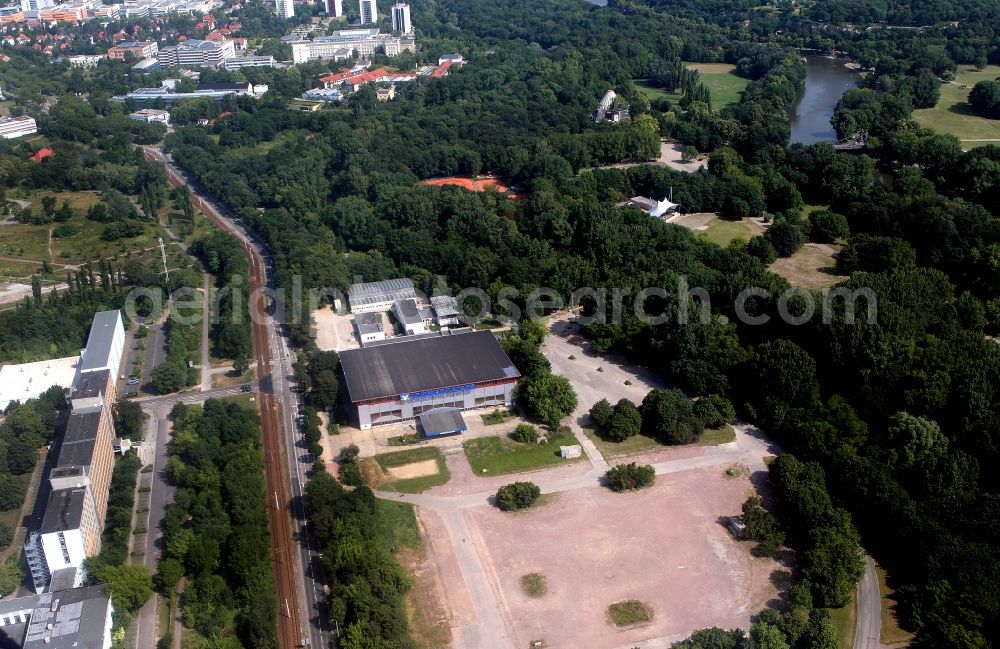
664	546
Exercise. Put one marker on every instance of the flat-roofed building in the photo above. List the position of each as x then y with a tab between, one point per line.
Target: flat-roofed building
370	327
400	378
408	315
151	115
446	311
30	380
69	618
240	62
135	49
105	343
379	296
342	44
194	52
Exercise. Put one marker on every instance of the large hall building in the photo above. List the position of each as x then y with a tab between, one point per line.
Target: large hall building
401	378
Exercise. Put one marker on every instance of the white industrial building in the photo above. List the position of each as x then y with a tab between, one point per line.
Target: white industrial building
12	127
30	380
216	91
379	296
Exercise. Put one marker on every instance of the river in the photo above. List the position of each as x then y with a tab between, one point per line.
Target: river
826	81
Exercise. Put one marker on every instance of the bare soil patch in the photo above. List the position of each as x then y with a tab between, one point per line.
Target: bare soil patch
413	470
664	546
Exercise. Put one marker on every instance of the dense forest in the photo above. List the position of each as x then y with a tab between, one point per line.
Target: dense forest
900	415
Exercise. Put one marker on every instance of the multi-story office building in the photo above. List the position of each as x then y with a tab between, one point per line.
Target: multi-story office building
150	115
194	52
335	8
401	18
342	44
369	12
239	62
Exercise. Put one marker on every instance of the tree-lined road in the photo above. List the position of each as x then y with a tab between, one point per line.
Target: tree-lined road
296	566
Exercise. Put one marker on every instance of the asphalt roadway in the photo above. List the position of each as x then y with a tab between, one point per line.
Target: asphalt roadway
302	619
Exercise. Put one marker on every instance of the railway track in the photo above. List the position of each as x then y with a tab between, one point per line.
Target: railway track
277	498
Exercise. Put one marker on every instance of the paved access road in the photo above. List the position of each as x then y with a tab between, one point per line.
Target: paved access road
869	623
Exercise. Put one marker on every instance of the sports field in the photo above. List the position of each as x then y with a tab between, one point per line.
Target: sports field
472	184
953	115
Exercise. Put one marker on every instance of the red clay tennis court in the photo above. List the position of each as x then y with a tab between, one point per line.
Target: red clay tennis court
473	185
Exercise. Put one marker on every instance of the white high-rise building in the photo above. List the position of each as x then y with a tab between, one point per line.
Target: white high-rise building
369	12
335	8
285	8
401	18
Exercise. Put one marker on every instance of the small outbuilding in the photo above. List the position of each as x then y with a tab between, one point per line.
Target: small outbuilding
442	421
566	452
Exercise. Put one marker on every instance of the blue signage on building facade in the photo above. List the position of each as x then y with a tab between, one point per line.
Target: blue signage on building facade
437	393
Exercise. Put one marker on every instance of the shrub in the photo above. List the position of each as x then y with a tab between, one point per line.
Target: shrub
625	421
827	227
525	433
714	410
762	249
518	495
350	474
348	454
628	612
6	535
600	413
65	230
533	584
785	237
626	477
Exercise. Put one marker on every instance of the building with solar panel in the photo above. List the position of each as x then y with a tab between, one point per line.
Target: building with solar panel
400	379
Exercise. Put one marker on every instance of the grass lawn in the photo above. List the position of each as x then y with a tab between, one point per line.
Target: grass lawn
952	114
382	480
810	268
652	93
722	82
722	231
5	108
716	436
891	633
609	449
641	443
629	612
844	621
23	241
501	455
496	417
400	523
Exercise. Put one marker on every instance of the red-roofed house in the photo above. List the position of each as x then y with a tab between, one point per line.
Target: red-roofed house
441	70
43	153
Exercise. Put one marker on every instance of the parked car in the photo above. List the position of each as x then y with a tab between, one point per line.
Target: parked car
132	380
246	387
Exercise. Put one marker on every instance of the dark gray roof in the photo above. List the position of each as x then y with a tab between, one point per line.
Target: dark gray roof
102	333
77	622
410	364
407	311
90	384
81	435
442	421
63	511
368	323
